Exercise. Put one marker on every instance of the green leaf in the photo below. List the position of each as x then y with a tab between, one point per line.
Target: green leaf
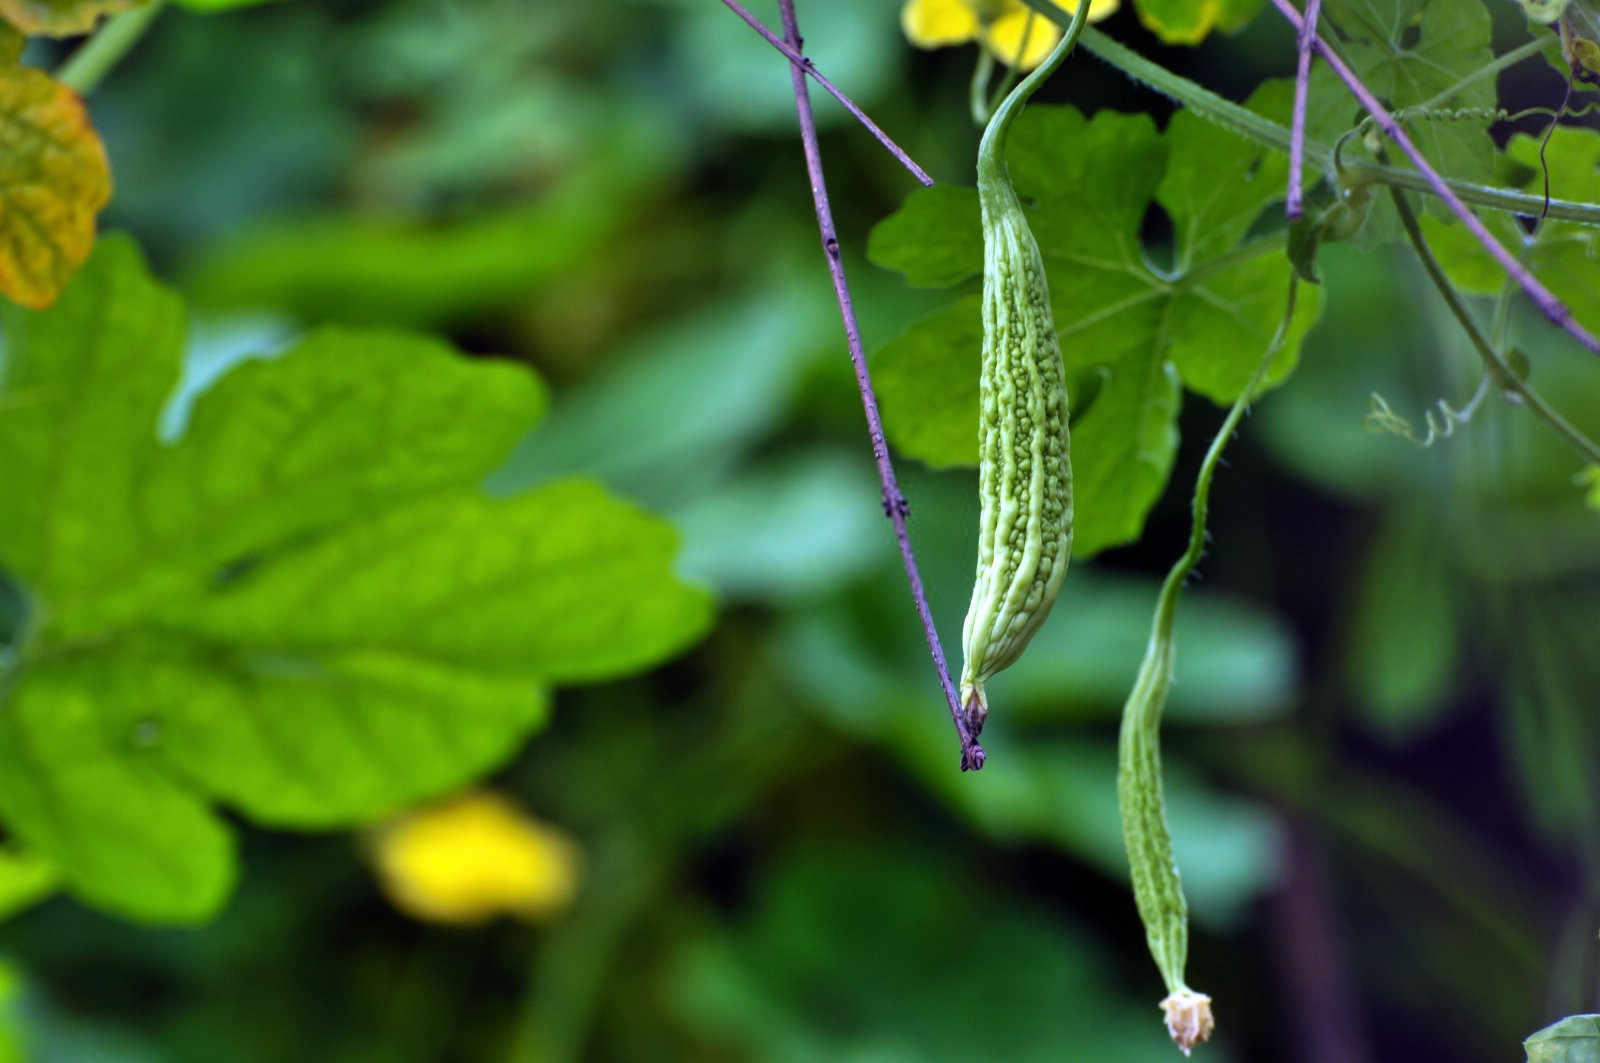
299	737
1138	328
105	520
561	584
136	842
54	179
927	383
1130	438
1234	15
1409	51
1179	21
25	879
303	607
1574	1039
934	238
1564	255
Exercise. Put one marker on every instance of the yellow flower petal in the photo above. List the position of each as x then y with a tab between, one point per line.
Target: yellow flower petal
1003	35
1098	9
473	858
936	23
1004	38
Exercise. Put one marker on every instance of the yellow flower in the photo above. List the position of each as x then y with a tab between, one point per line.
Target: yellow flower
475	857
999	24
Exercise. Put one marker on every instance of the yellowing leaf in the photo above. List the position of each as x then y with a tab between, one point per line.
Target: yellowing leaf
474	858
54	178
59	18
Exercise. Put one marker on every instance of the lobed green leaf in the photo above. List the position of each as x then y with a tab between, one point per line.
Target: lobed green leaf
304	607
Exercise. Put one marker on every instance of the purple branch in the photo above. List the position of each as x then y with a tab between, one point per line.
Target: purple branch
1553	308
805	64
894	503
1297	130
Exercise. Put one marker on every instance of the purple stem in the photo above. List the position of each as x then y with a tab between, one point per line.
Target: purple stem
1293	209
894	503
806	65
1553	308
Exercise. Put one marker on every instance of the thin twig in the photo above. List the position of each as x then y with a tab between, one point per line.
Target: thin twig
805	65
1294	209
1552	307
894	503
1493	363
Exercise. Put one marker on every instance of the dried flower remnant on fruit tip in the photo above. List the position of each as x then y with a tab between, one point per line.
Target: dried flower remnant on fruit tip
1188	1018
998	24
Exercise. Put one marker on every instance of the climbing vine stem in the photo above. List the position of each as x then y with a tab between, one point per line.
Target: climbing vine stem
1553	308
1499	370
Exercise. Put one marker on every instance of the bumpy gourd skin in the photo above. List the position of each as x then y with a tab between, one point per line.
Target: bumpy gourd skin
1024	468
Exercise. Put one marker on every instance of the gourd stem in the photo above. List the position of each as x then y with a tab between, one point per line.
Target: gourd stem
991	149
1157	889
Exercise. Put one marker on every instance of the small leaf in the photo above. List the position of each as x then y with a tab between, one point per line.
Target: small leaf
1574	1039
1305	238
60	18
54	178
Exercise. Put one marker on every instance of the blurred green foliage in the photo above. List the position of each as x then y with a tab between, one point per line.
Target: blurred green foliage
1382	744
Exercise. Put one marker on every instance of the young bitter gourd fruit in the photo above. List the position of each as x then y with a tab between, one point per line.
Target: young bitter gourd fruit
1024	468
